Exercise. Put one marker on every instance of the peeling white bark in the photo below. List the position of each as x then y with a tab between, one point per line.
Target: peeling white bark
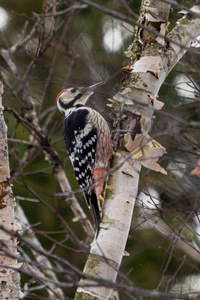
148	72
9	278
107	251
185	32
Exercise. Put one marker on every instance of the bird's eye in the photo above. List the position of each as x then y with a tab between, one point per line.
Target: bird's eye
73	90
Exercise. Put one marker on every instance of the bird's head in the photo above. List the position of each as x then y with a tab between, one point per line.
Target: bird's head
72	97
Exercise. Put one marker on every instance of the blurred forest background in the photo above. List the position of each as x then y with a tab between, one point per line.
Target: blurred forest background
79	47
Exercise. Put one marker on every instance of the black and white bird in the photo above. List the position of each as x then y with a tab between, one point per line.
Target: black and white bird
88	143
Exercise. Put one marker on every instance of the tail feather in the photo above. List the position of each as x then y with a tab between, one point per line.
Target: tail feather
96	213
92	202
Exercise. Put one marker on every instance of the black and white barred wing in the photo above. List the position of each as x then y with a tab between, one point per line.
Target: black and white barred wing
81	140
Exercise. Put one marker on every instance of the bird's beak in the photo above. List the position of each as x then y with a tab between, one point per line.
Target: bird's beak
93	87
86	94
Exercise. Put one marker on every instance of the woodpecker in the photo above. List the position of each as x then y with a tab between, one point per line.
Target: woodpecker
88	143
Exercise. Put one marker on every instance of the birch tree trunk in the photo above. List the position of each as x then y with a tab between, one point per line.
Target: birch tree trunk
152	58
9	276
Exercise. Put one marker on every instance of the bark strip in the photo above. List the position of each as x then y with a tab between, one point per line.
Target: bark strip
9	278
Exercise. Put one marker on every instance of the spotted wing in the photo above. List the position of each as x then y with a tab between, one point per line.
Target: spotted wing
81	142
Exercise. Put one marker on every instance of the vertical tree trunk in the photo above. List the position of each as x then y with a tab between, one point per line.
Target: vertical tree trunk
151	61
107	251
9	278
